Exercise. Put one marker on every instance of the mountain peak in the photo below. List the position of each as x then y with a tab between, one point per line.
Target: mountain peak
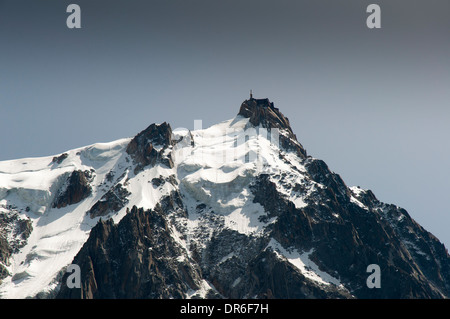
148	146
262	112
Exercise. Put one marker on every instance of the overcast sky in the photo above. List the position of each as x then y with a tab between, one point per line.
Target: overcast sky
374	104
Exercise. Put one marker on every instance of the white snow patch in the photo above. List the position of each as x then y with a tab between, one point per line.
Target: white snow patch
305	265
236	282
357	191
225	258
201	292
357	202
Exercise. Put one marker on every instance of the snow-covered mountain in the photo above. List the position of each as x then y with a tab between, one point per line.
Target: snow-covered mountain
236	210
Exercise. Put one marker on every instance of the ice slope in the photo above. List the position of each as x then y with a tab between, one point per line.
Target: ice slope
215	173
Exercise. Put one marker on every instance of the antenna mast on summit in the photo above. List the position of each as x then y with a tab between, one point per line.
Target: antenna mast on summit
251	94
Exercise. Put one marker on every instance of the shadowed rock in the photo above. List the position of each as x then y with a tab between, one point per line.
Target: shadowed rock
113	201
149	146
261	112
77	189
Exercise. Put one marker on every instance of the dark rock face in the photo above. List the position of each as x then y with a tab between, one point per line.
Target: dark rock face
423	250
272	278
113	201
60	159
159	181
5	252
143	147
135	259
261	112
77	189
241	267
320	173
346	239
18	230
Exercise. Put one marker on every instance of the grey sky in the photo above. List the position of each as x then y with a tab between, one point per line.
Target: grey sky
374	104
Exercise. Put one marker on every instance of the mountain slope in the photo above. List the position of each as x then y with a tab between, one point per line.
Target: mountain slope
237	210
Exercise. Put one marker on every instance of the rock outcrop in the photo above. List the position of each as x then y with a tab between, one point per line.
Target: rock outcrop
59	159
14	232
113	201
138	258
150	146
75	189
345	239
263	113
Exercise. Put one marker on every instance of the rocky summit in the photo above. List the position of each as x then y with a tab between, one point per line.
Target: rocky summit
236	210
